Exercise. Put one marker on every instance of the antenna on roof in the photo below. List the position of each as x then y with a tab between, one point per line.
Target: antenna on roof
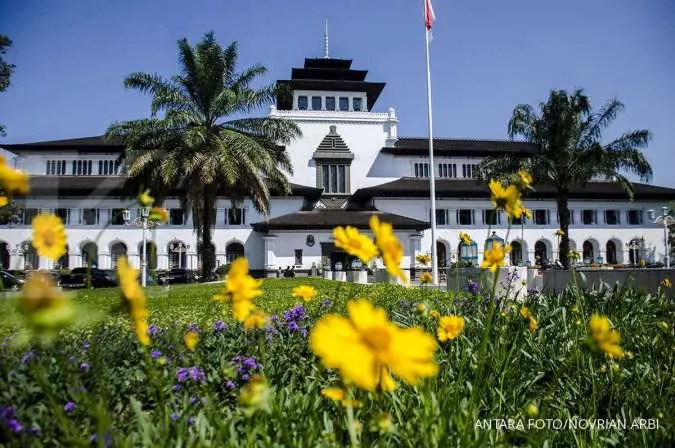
325	42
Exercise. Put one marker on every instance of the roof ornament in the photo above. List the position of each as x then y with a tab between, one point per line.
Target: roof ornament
325	42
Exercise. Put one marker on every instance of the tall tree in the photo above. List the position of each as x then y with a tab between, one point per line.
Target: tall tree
568	136
196	146
6	70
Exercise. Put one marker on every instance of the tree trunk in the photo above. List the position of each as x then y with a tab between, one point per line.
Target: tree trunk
208	256
563	213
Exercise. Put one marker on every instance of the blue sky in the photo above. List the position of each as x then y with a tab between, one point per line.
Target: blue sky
487	56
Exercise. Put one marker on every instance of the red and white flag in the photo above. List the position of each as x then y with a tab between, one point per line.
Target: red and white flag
429	15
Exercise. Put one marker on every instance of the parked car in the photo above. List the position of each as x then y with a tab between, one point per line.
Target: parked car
10	281
180	276
84	277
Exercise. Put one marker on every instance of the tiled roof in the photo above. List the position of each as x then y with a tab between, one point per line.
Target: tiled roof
470	188
84	144
329	218
414	146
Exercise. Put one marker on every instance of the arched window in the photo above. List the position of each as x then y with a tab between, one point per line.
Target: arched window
540	252
151	259
468	253
492	240
31	259
177	255
516	253
117	251
64	262
441	254
90	255
233	251
4	255
587	252
611	252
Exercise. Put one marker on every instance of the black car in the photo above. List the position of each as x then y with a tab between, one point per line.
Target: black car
9	281
181	276
87	277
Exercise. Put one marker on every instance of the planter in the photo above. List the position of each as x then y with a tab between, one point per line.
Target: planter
328	274
357	276
340	276
511	284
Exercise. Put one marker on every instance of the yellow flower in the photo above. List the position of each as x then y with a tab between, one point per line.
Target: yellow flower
240	288
333	393
507	199
191	339
49	236
159	214
524	312
606	339
367	348
449	327
527	213
256	320
135	299
390	247
145	199
384	423
574	254
532	410
354	243
465	238
524	178
420	308
45	307
11	180
559	232
423	259
532	324
666	283
3	201
434	314
255	395
304	292
426	278
493	258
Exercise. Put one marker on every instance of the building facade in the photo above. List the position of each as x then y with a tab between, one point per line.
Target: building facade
349	163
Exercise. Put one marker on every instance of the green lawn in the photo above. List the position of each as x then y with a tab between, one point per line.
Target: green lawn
131	396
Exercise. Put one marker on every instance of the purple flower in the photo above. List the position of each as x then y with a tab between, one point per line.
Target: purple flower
194	373
174	416
219	326
28	356
15	426
194	401
69	407
249	363
245	376
404	303
293	326
193	327
86	346
472	287
34	430
295	313
7	412
326	303
153	330
229	385
191	421
107	438
175	387
274	319
182	374
84	367
155	354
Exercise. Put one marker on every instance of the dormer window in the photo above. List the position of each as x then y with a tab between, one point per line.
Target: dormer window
344	103
357	106
330	103
333	162
316	103
302	102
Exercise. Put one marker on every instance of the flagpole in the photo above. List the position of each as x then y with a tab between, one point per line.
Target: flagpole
432	179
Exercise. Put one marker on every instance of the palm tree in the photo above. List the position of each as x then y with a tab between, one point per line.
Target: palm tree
191	147
570	153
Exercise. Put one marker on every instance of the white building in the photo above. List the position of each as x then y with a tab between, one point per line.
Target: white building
349	164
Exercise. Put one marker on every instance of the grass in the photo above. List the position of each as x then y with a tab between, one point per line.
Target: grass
129	397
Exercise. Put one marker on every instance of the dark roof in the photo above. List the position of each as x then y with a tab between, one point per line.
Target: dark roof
116	186
328	63
84	144
470	188
330	218
414	146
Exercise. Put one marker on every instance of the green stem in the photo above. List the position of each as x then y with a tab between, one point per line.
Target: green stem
351	423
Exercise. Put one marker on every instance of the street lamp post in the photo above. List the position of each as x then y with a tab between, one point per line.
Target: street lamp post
143	222
667	220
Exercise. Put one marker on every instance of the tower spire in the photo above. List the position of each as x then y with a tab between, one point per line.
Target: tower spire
325	42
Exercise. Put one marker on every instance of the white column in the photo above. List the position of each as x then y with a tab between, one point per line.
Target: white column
270	241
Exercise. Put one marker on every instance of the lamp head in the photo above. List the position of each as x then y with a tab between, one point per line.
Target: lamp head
126	215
